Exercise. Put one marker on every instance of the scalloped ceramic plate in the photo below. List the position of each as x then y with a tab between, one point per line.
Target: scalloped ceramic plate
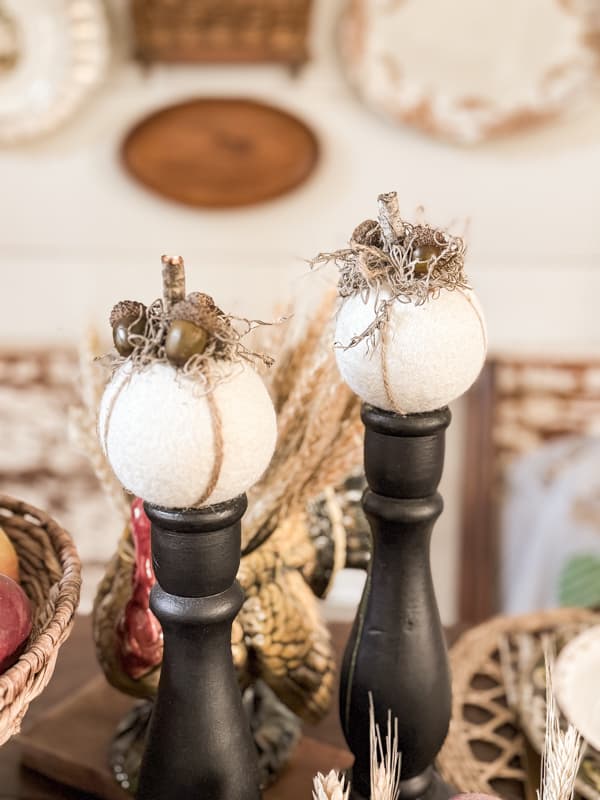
467	70
577	684
53	53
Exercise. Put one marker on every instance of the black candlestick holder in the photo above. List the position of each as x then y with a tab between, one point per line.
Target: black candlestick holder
397	650
199	743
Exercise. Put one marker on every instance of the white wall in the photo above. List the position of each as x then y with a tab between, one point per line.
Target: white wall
76	232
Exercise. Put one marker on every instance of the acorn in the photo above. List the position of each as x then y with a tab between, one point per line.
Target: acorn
184	340
191	321
127	317
423	255
367	233
203	304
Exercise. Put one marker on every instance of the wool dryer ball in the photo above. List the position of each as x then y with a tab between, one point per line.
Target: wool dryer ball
185	421
410	335
156	427
429	354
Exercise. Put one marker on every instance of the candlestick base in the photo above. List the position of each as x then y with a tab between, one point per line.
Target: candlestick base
199	742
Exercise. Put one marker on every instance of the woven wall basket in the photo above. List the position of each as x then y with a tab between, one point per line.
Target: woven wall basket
485	750
221	30
51	577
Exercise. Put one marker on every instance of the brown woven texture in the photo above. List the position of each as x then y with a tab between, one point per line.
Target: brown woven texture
537	400
485	749
51	577
221	30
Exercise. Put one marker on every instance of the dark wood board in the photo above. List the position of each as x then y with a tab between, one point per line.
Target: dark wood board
220	152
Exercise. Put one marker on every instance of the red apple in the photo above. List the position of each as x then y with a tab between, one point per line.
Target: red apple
15	621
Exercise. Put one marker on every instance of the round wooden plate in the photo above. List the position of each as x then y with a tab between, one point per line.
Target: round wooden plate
220	153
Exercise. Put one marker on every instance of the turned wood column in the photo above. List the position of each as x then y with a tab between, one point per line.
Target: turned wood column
199	745
397	649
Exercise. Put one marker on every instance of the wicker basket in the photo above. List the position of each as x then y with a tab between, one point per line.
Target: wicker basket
51	577
485	751
221	30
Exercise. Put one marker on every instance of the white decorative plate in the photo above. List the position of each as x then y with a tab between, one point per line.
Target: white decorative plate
577	684
52	54
467	69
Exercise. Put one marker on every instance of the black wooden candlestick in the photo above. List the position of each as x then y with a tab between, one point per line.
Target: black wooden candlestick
396	649
199	743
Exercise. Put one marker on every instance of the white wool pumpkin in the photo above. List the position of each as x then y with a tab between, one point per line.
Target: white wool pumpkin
428	355
157	429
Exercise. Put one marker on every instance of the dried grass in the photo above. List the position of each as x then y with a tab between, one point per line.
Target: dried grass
385	758
226	334
563	749
319	429
385	766
332	786
82	422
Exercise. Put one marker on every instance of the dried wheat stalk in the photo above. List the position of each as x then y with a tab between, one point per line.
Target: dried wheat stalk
385	759
82	421
563	750
319	429
385	766
332	786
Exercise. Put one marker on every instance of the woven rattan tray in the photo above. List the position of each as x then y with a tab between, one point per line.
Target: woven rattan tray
485	750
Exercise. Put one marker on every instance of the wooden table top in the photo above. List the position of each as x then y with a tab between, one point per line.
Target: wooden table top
77	666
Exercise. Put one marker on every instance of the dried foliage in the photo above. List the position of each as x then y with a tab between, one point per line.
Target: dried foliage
385	758
82	422
319	429
385	766
388	255
563	749
226	334
332	786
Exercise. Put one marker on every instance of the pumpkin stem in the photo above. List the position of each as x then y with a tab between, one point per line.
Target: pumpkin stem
390	220
173	276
